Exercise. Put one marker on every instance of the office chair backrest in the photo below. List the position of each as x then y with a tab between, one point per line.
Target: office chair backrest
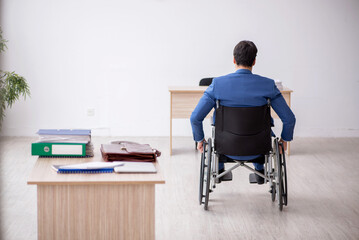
243	131
205	81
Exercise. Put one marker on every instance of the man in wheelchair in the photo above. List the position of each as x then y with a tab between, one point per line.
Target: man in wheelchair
242	118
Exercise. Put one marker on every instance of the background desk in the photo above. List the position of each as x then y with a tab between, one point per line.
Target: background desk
94	206
185	99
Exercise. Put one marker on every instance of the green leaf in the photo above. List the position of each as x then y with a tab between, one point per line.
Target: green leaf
2	42
15	86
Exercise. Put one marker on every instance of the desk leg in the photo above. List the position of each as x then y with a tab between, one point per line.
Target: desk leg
288	149
96	211
171	127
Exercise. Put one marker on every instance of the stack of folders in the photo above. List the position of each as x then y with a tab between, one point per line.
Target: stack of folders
88	167
63	143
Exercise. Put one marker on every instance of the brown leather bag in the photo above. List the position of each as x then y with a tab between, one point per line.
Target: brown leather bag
129	151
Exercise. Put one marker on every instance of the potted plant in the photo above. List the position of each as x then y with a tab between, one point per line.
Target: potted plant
12	86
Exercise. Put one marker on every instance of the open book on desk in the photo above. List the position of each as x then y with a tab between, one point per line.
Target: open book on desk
136	167
87	167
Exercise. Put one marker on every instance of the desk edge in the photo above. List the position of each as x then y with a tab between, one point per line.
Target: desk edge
96	182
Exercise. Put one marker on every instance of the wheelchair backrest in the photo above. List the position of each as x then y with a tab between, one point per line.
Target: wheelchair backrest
243	131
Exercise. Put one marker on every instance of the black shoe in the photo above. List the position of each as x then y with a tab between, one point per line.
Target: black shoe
227	177
259	179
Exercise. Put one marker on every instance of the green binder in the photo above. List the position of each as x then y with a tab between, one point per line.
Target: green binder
59	149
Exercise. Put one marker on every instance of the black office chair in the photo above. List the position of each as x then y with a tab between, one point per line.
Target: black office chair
243	131
205	81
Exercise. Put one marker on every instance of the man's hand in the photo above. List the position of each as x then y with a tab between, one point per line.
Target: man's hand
200	145
284	145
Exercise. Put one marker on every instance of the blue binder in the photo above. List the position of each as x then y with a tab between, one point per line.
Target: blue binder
102	170
87	167
80	132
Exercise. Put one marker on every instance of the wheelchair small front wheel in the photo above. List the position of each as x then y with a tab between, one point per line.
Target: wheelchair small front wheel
273	192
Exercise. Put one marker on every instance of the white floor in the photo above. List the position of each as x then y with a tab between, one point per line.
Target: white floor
323	194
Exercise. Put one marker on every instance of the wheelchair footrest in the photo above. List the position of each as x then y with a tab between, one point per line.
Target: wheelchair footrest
252	178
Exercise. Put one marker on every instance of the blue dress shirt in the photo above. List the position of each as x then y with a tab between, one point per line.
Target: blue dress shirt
242	89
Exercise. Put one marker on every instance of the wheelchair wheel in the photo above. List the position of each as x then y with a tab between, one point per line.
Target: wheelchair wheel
279	173
284	178
201	174
273	192
208	173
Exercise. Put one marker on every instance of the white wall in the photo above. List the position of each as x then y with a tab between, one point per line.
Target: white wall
119	56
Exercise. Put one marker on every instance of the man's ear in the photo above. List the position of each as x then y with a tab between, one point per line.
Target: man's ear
254	62
234	61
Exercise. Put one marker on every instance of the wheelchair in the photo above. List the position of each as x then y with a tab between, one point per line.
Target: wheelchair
244	131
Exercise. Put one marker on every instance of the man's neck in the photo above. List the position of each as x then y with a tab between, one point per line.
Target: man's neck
243	67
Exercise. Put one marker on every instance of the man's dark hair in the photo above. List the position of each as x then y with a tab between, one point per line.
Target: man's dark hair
245	53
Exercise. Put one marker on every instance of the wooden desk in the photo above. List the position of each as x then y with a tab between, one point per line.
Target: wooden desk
94	206
185	99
